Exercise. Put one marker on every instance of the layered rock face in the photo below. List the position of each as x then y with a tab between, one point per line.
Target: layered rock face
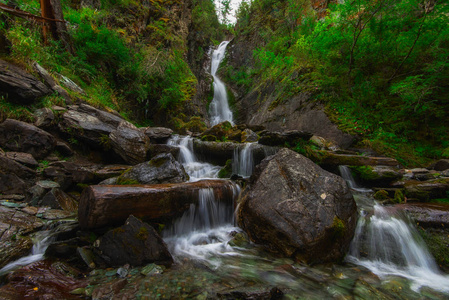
297	209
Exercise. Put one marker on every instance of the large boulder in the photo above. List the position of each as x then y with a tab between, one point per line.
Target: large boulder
24	137
135	243
297	209
162	168
19	85
130	143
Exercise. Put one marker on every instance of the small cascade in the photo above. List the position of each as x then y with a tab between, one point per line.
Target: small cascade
196	170
219	107
202	233
42	240
243	161
387	244
345	172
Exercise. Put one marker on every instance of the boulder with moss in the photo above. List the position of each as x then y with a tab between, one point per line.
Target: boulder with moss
296	209
379	176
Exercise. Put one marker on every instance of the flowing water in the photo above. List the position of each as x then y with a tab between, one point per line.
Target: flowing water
219	107
197	170
388	244
243	160
42	240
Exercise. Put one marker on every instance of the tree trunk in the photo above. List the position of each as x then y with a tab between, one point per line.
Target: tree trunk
52	10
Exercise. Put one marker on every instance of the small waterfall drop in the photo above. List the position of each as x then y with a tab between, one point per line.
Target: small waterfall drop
243	161
387	244
219	107
203	232
42	240
345	172
197	170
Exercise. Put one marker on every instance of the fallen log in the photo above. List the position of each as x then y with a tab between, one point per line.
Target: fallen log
107	205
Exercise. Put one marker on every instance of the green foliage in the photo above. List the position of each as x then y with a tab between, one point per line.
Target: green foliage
10	110
380	67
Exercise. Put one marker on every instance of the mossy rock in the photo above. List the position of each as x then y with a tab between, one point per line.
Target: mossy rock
437	241
381	195
226	171
209	138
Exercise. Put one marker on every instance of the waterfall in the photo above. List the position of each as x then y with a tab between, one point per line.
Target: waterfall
387	244
203	232
42	240
345	172
197	170
243	161
219	107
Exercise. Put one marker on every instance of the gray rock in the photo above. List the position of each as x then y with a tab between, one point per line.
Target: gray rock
83	126
43	73
23	137
295	208
162	168
158	135
112	119
67	82
135	243
19	85
130	143
44	117
14	177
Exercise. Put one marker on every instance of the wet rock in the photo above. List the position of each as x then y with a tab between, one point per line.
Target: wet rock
103	205
13	225
23	158
295	208
57	199
275	138
427	190
41	280
19	85
270	293
86	254
151	269
109	171
441	165
109	290
44	117
158	135
135	243
427	214
162	168
23	137
130	143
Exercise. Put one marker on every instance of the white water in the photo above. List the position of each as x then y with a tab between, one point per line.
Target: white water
197	170
203	232
42	240
243	161
219	107
345	172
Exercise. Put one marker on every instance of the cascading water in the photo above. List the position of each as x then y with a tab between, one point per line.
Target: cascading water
219	107
243	161
203	232
197	170
42	240
387	244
